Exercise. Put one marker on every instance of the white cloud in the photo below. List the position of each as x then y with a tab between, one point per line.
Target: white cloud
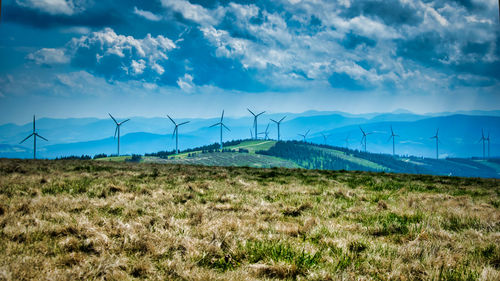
136	54
55	7
147	15
138	66
186	83
195	12
49	56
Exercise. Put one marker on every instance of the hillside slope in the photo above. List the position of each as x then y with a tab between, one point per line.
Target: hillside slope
292	154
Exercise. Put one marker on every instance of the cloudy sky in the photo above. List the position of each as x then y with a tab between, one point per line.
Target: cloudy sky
192	58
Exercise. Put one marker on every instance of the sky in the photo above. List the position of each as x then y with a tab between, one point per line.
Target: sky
193	58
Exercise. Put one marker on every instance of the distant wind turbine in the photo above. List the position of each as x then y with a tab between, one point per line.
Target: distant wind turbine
35	135
483	139
255	121
266	133
325	137
117	130
437	143
304	136
221	125
347	142
278	123
176	133
393	137
363	139
488	139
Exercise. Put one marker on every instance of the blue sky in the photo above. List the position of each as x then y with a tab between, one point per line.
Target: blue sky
80	58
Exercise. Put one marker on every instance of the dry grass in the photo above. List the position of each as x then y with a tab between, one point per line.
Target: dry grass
63	220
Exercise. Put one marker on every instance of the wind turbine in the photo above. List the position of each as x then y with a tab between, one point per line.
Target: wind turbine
437	143
118	130
221	125
304	135
393	136
266	133
347	142
255	121
176	133
278	123
325	137
483	139
488	139
363	139
34	134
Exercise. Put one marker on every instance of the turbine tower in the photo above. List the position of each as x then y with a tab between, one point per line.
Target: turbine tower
325	137
255	121
35	135
176	133
278	123
221	125
393	137
483	139
347	142
488	139
117	130
304	136
266	133
363	139
437	143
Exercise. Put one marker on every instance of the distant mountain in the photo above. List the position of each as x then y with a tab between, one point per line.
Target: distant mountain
459	134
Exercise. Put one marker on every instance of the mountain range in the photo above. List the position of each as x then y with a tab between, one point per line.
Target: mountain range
459	133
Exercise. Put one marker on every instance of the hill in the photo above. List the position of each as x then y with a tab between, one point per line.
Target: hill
294	154
68	220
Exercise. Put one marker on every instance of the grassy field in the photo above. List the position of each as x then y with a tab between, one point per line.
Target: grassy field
67	220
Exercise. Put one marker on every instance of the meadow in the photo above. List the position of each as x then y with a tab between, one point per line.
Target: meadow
98	220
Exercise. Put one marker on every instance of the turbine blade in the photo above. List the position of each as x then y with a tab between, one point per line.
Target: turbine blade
27	138
37	135
225	126
222	117
33	123
251	112
113	118
274	121
308	131
171	120
183	123
124	121
173	133
282	119
362	131
260	113
116	131
216	124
